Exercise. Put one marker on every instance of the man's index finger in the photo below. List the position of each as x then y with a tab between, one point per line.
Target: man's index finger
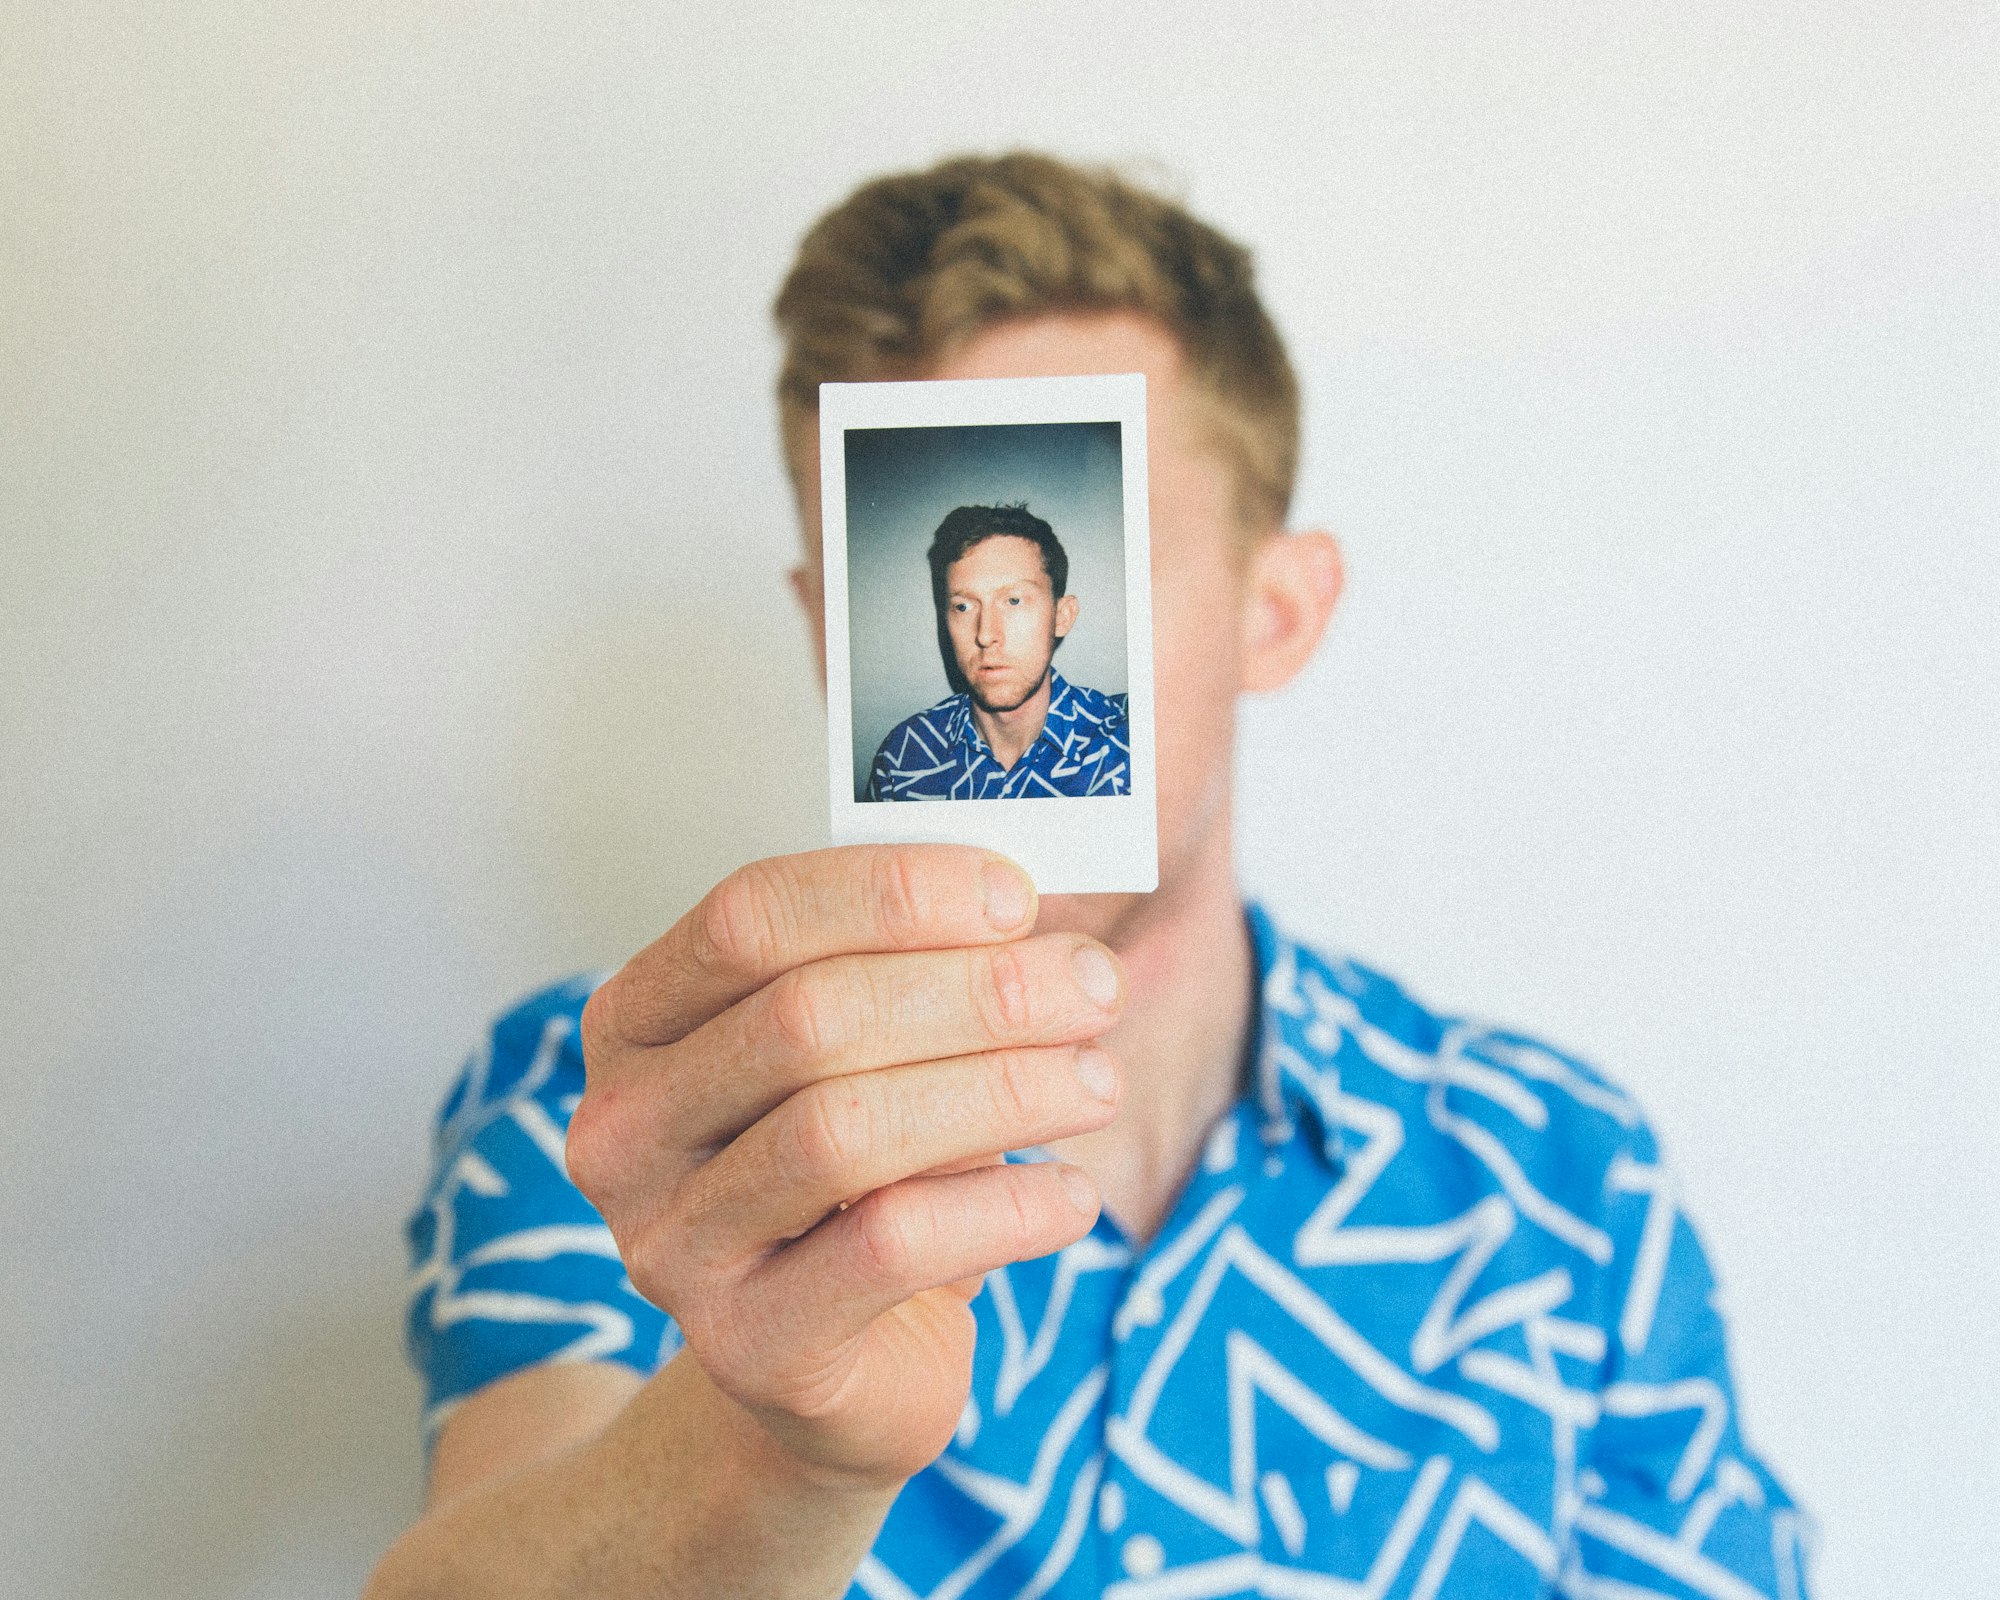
773	915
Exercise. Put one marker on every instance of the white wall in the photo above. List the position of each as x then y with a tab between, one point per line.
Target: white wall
388	502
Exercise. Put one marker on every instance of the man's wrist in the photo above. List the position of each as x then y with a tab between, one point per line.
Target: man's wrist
749	1457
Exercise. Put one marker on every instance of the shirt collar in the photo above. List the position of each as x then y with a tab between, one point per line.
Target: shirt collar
1062	720
1057	729
1295	1075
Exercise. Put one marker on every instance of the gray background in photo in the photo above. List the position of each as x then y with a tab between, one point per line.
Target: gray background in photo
901	482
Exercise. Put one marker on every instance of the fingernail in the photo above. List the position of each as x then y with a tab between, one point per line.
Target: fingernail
1082	1192
1095	974
1009	895
1097	1072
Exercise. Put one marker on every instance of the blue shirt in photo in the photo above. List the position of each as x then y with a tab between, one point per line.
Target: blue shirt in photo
1427	1323
939	754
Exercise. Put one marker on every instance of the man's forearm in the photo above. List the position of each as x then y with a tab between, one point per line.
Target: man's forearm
682	1495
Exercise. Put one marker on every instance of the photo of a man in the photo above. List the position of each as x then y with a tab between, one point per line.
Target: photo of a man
1015	728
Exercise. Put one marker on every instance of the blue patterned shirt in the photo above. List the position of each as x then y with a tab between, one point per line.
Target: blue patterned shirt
939	754
1426	1322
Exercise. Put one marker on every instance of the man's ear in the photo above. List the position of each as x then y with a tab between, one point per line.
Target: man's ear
810	591
1294	582
1066	609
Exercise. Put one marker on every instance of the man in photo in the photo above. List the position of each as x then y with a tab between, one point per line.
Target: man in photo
1016	729
885	1230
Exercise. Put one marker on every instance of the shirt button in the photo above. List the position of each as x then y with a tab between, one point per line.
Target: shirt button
1143	1555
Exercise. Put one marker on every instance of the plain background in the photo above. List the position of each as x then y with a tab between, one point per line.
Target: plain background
901	483
390	497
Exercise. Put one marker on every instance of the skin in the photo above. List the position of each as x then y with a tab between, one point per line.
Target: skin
1004	619
797	1098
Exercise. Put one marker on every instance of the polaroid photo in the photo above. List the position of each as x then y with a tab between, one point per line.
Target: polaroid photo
989	622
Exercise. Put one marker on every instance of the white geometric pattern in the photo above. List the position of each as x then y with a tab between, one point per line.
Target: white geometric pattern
939	754
1426	1324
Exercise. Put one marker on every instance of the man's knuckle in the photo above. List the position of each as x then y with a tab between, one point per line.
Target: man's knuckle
883	1244
589	1151
1000	992
742	920
829	1134
805	1013
652	1278
598	1030
899	897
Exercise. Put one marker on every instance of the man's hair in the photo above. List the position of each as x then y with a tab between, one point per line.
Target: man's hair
970	525
912	266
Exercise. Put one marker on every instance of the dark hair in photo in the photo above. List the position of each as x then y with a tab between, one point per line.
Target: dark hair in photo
967	526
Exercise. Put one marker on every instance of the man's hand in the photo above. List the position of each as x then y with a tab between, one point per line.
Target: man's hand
795	1105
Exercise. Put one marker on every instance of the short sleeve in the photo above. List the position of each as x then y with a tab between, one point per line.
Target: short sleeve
511	1267
1673	1501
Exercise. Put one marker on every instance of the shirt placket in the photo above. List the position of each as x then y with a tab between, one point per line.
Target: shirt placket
1123	1538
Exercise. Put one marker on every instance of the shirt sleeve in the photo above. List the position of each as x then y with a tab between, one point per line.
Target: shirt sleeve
1672	1500
511	1267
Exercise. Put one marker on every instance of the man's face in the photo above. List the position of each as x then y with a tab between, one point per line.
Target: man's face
1004	617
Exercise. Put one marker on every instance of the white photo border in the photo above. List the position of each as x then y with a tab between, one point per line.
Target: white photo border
1084	844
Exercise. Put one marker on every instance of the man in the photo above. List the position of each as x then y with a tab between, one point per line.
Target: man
1016	729
1289	1285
